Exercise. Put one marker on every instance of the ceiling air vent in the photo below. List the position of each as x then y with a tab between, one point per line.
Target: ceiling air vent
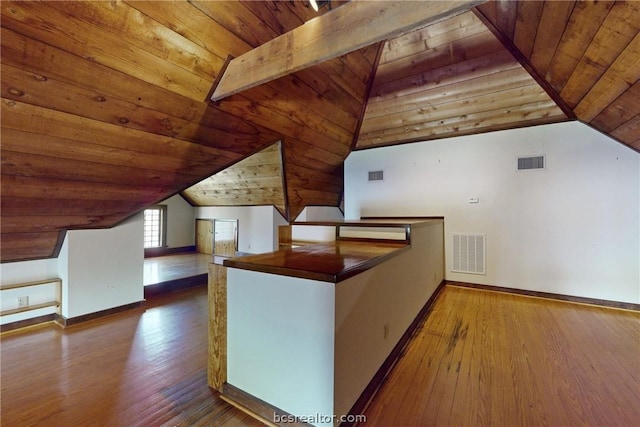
469	253
530	163
376	175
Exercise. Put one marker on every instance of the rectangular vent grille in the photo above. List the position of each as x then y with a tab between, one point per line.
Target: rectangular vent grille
376	175
469	253
532	162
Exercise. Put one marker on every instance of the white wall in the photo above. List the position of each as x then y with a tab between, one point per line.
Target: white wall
320	213
257	225
100	269
280	340
571	229
28	271
180	222
105	268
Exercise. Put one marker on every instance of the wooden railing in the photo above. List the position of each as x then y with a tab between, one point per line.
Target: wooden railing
30	307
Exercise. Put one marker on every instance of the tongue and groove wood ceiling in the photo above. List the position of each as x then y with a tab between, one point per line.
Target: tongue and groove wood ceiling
105	105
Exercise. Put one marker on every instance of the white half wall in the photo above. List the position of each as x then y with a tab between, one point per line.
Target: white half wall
572	228
104	268
375	308
280	340
257	225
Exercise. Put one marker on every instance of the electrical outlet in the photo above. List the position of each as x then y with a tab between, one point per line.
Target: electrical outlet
23	301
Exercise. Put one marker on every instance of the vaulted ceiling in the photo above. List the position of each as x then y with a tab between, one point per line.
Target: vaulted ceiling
105	105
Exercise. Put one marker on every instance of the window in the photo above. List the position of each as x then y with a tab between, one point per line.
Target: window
155	227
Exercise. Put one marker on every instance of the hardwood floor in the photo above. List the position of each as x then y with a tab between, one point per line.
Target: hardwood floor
143	367
486	358
481	358
171	267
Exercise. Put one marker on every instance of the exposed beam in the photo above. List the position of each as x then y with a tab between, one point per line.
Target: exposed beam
350	27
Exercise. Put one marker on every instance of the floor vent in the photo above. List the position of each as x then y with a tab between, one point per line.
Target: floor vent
376	175
469	253
530	162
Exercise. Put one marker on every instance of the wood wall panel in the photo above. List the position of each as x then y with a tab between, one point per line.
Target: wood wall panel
606	46
188	21
42	21
623	109
256	180
621	74
586	52
458	27
42	91
199	158
526	28
41	58
457	51
448	82
14	224
576	40
629	131
26	246
238	20
146	106
93	154
441	109
532	114
46	167
495	75
469	75
78	206
554	18
137	30
62	189
120	88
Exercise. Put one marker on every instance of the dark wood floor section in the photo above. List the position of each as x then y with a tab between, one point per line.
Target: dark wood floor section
144	367
481	358
486	358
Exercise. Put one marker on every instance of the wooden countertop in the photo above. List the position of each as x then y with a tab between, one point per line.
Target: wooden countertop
327	261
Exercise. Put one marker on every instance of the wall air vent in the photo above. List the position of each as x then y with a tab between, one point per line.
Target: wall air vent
469	253
376	175
530	163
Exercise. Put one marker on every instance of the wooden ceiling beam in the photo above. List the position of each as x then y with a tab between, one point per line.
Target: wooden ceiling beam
348	28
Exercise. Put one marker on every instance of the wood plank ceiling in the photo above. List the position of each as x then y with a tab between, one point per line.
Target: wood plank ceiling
105	112
257	180
449	79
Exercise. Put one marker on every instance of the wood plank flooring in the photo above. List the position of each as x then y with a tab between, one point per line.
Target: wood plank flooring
481	358
171	267
144	367
486	358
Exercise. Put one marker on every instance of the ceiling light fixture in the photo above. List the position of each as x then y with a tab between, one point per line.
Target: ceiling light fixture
319	3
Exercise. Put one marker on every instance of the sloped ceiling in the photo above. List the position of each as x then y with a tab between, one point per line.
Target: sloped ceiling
449	79
257	180
586	53
105	104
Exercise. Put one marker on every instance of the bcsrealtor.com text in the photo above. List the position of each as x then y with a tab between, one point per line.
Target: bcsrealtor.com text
318	418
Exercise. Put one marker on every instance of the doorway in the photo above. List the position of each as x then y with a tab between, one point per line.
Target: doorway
204	236
225	237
